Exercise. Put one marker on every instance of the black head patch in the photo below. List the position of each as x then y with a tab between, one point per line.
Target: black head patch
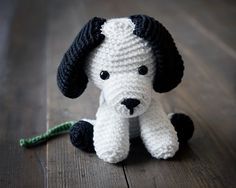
71	77
169	64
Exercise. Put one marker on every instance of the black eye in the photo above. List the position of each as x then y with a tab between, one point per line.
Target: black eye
104	75
143	70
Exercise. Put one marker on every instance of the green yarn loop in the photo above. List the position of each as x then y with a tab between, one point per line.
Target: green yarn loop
58	129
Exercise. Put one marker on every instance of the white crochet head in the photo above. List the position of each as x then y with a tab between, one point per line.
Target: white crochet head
121	54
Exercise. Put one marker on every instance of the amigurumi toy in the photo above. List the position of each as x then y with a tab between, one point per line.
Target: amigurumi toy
131	60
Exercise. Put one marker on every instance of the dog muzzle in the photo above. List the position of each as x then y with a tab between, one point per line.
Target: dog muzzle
129	95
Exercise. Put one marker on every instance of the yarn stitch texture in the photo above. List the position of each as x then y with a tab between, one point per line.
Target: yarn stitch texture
131	60
114	66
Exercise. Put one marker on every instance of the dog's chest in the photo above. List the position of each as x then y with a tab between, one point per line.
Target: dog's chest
134	129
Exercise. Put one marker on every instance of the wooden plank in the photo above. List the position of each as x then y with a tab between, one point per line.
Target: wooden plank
200	95
22	92
68	166
209	158
216	18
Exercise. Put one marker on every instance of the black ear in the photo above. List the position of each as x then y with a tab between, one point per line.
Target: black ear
71	77
169	64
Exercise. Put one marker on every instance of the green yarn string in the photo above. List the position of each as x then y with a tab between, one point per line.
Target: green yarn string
58	129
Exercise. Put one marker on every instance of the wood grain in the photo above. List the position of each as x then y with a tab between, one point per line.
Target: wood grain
34	38
22	93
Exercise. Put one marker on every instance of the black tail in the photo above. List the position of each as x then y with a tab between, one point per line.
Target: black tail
183	126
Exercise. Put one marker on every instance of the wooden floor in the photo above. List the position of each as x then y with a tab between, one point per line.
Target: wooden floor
33	37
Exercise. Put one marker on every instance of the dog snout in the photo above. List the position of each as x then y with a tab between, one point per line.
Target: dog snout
130	104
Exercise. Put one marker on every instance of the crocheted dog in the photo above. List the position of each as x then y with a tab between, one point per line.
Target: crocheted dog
131	60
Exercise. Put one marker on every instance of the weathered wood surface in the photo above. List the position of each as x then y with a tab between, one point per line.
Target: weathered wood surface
34	37
22	93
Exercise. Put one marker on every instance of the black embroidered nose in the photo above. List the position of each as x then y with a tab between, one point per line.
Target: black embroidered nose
130	104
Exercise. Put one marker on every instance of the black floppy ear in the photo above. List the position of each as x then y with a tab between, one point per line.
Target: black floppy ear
71	77
169	64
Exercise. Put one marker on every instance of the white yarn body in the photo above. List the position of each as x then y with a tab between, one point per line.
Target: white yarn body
121	54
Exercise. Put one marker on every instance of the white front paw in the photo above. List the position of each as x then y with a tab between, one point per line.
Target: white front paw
162	143
165	151
113	156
